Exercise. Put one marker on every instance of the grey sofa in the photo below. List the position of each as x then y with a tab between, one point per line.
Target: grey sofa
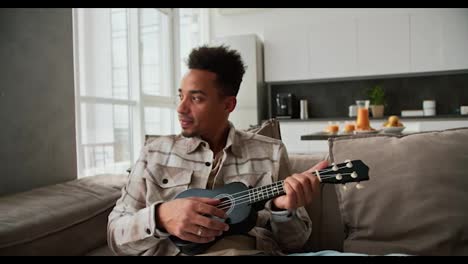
414	203
71	218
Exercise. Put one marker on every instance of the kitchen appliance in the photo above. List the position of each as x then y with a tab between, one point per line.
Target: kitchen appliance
304	110
429	107
464	110
405	113
352	111
285	105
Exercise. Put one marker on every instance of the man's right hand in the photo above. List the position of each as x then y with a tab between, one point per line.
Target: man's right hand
189	219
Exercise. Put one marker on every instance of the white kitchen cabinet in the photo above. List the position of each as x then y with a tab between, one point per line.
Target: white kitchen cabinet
286	54
332	48
439	41
325	49
368	45
426	42
455	40
249	104
383	44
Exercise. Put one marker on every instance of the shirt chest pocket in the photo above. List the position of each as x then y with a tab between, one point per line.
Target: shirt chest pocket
166	182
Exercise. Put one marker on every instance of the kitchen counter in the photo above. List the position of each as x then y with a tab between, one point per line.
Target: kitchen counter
294	133
415	118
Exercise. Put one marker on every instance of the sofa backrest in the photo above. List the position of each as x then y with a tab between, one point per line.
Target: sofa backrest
415	201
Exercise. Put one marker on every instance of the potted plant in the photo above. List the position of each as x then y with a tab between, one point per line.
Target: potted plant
377	100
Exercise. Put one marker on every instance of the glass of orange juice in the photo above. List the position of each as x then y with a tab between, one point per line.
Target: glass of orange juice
349	127
362	120
333	127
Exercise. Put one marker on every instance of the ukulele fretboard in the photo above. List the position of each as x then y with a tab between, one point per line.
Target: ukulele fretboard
266	192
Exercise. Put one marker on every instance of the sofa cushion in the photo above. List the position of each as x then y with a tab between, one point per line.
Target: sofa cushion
416	199
327	228
63	219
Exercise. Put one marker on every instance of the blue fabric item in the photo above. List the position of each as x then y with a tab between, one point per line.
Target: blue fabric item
338	253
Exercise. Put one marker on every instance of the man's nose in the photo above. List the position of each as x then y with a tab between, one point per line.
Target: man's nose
182	107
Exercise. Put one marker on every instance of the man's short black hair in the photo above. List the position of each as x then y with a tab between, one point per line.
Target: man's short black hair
226	63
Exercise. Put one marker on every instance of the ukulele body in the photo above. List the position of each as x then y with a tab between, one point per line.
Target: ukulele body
241	218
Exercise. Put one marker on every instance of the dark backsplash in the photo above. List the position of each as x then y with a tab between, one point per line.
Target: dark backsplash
332	98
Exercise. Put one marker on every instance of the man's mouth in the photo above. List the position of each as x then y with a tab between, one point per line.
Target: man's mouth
185	122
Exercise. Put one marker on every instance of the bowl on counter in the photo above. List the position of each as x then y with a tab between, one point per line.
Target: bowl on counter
393	130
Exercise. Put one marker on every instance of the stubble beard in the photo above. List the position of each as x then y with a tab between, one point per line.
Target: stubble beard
189	134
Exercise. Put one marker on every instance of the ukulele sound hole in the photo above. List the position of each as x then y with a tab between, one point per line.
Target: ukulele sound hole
227	203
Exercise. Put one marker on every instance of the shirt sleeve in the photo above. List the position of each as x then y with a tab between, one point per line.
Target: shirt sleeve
132	227
291	229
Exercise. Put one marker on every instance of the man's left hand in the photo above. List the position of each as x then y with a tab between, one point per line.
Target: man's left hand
299	188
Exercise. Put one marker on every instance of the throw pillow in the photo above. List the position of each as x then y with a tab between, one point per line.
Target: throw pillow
269	128
416	199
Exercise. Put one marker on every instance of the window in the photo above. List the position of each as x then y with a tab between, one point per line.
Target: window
128	65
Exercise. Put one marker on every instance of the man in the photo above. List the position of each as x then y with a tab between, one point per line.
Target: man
209	153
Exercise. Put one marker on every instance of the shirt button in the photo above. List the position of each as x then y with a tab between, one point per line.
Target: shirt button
207	163
148	231
165	181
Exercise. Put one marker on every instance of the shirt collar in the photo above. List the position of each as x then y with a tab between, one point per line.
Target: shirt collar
232	142
193	143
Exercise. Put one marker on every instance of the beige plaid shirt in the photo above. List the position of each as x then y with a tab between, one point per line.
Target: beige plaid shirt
172	164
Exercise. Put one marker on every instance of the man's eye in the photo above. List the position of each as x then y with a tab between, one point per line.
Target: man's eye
196	99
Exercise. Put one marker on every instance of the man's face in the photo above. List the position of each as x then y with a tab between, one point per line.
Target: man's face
201	110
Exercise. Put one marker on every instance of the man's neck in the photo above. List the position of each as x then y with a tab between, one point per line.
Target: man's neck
218	141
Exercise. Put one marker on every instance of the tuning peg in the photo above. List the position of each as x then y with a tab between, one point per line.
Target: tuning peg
349	164
334	168
346	161
359	186
354	175
338	177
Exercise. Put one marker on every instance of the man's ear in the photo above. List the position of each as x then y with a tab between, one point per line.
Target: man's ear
230	103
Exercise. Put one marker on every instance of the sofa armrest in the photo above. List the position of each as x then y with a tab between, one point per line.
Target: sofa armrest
62	219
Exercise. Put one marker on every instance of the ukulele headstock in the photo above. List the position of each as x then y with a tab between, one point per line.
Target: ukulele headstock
348	171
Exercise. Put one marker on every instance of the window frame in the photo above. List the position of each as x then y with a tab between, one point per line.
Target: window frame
137	100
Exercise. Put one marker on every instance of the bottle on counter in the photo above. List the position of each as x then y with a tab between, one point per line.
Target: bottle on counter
362	120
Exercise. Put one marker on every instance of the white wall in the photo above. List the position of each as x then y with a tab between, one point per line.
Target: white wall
236	21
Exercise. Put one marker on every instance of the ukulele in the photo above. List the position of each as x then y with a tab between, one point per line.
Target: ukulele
241	203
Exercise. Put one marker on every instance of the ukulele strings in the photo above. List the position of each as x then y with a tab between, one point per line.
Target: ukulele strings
247	198
252	192
278	187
